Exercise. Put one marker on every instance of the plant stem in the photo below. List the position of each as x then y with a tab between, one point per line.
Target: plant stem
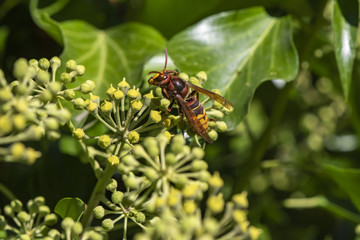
6	192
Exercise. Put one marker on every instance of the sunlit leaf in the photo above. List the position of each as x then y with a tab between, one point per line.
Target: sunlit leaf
345	22
238	50
70	207
348	180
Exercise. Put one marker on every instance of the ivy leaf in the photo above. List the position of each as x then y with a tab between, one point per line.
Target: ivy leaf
108	55
70	207
238	50
345	21
348	180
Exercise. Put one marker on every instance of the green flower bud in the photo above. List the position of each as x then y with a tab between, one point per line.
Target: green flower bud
5	94
67	223
204	176
19	122
112	185
16	205
104	141
189	207
53	135
87	86
139	151
202	76
99	212
194	81
31	155
70	66
221	126
21	89
212	124
118	94
191	190
113	160
40	200
25	237
131	181
110	91
78	133
23	217
136	104
77	228
2	223
65	78
92	107
50	219
241	200
140	217
198	165
44	64
158	92
37	132
17	150
45	96
44	210
215	181
20	68
8	211
197	153
33	207
107	224
69	94
151	174
51	123
42	77
95	236
133	93
80	69
218	105
79	103
54	87
170	158
55	62
215	114
151	146
134	137
106	106
148	97
117	197
155	116
34	63
123	85
216	203
184	76
54	234
164	104
213	135
5	125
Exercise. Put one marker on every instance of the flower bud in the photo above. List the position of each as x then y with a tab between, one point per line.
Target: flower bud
99	212
140	217
5	94
5	125
136	104
32	206
67	223
65	78
92	107
197	153
42	77
79	103
221	126
37	132
202	76
19	122
139	151
151	174
133	93
218	105
118	94
51	219
155	116
45	96
198	165
24	237
239	216
16	205
164	104
204	176
77	228
51	123
130	160
216	203
20	68
2	223
194	81
241	200
31	155
151	146
184	76
87	87
107	224
113	160
104	141
44	210
44	64
189	207
112	185
80	69
17	150
70	66
213	135
191	190
8	211
131	181
23	217
106	106
158	92
215	114
117	197
34	63
110	91
215	181
69	94
133	137
54	87
55	62
123	85
170	158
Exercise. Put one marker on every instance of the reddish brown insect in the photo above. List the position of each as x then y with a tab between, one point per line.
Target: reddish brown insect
176	89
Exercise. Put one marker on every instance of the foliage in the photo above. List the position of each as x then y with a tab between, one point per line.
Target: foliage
85	127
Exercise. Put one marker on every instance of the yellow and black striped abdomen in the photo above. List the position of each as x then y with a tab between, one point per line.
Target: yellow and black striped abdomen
199	111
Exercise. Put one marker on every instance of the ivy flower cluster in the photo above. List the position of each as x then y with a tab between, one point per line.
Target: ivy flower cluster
30	107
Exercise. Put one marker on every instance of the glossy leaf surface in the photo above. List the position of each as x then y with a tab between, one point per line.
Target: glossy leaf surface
70	207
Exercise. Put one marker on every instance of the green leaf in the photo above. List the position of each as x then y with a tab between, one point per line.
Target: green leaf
70	207
345	22
108	55
70	146
348	180
238	50
4	32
